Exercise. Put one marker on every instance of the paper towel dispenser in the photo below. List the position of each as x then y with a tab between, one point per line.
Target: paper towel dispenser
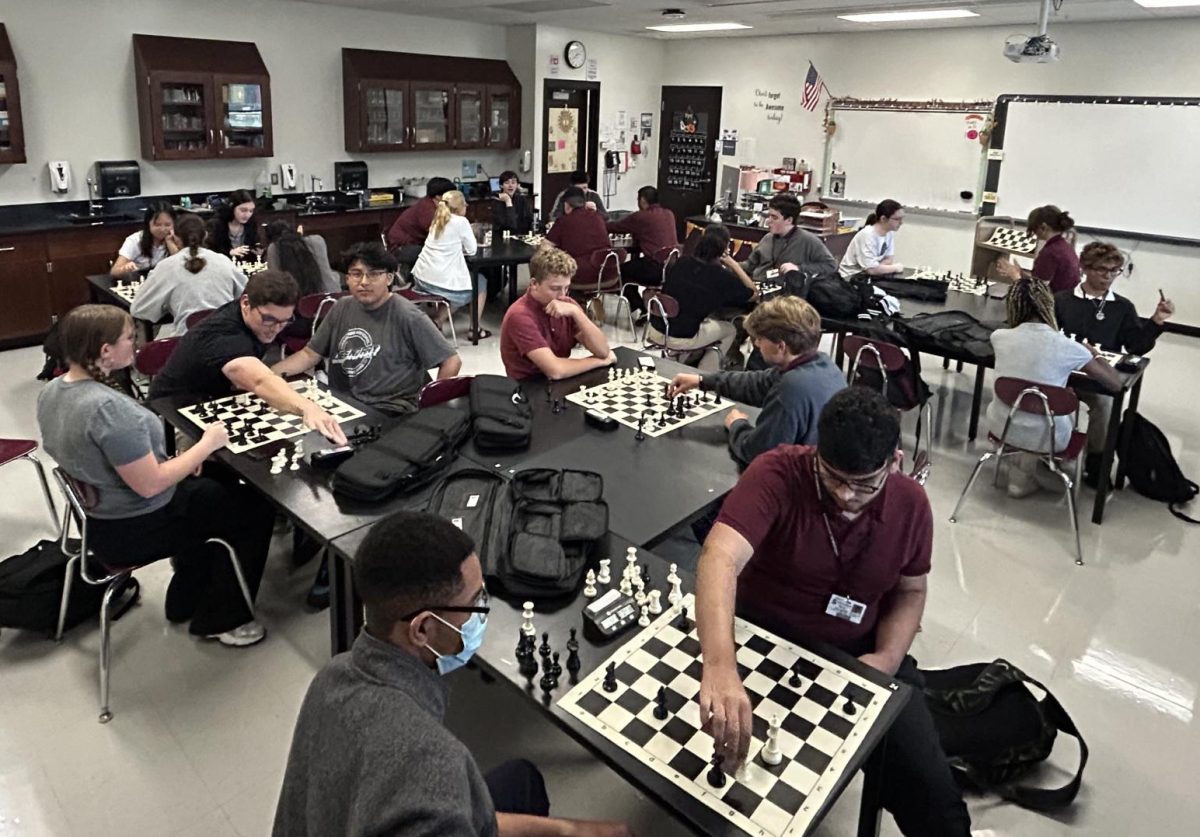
118	178
350	176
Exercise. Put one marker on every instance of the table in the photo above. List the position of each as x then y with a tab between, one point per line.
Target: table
506	255
101	290
496	657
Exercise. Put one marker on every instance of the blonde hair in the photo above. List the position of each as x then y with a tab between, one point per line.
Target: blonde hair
85	331
1099	253
551	261
452	202
787	318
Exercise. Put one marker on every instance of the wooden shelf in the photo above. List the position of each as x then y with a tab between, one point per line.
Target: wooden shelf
12	139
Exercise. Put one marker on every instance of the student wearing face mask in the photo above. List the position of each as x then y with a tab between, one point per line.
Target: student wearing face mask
371	754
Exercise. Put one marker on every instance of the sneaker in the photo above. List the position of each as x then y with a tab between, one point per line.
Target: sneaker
318	596
251	633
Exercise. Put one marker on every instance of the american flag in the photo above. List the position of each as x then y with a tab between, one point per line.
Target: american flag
813	85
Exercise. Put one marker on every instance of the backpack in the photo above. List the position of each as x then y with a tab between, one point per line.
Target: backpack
31	588
1151	467
951	331
500	412
837	298
994	730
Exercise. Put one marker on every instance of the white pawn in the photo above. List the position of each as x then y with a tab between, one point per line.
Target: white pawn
644	619
673	574
589	586
612	372
770	753
653	599
626	588
527	626
639	596
605	574
676	595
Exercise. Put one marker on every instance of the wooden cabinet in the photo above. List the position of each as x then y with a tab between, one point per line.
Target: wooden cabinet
201	99
76	254
26	310
12	136
397	101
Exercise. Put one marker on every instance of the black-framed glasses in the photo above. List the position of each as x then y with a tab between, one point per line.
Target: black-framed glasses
481	606
373	275
270	321
864	487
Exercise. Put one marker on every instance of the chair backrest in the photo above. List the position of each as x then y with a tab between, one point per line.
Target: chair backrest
1032	397
153	356
873	354
689	243
608	269
669	255
439	392
197	317
310	306
743	252
416	296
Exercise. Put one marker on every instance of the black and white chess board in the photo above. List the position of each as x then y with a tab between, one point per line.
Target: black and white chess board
250	268
768	288
127	288
954	282
252	423
532	239
819	736
1015	241
634	393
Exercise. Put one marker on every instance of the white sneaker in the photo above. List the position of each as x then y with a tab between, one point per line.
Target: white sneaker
251	633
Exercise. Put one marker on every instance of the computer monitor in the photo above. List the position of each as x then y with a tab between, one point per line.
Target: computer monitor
729	184
494	185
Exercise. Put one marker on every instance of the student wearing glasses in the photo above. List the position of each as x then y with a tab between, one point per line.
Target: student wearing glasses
371	753
378	345
858	584
1093	313
223	354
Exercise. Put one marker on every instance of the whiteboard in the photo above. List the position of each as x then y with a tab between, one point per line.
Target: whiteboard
921	158
1129	168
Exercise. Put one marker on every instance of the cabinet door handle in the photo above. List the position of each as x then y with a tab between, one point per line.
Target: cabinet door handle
7	249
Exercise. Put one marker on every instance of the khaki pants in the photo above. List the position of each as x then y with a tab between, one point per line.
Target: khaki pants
1099	412
711	331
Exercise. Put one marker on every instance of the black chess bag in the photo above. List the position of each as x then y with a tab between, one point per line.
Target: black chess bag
500	413
995	730
409	455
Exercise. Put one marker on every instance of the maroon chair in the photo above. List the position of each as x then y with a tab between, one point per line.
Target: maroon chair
13	449
310	307
418	298
606	266
439	392
665	307
1049	402
153	356
196	317
889	359
689	243
743	251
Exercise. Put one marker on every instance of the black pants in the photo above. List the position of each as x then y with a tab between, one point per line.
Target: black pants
517	787
643	270
202	508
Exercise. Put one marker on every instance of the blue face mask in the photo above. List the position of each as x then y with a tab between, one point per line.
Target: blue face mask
472	636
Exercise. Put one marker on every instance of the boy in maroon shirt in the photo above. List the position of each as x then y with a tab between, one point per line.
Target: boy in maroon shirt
831	544
407	235
542	327
581	232
654	232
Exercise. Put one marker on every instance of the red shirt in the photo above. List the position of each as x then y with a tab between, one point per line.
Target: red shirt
413	224
527	327
581	233
653	230
787	583
1057	265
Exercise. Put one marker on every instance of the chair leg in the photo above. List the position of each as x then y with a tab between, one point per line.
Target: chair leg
621	300
237	571
999	459
450	322
106	644
970	482
41	472
68	580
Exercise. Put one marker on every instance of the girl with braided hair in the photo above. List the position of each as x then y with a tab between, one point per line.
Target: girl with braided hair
1033	349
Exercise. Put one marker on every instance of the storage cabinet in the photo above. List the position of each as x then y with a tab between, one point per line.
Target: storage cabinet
12	137
397	101
23	287
200	99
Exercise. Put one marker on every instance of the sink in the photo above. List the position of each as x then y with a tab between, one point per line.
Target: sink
105	218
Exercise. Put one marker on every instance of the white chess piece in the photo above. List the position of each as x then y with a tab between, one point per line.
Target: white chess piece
631	558
676	595
673	574
654	602
589	586
639	596
626	588
644	619
743	774
605	575
770	753
527	626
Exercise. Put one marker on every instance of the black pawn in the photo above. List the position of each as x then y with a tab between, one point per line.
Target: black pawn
683	623
544	650
641	435
547	683
794	681
660	704
716	776
717	397
645	570
610	678
555	668
849	708
549	393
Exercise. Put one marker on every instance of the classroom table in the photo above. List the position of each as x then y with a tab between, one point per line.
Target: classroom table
497	660
505	254
101	291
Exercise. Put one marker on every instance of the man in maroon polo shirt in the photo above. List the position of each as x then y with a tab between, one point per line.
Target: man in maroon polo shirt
581	232
654	234
542	327
831	544
407	235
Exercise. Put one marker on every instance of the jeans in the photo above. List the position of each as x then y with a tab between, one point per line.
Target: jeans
517	787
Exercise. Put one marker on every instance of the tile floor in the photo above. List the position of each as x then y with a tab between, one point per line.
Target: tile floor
200	736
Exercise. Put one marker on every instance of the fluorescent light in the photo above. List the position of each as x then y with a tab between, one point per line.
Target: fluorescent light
703	27
930	14
1166	4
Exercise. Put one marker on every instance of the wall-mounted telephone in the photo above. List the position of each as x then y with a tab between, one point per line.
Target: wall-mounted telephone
612	160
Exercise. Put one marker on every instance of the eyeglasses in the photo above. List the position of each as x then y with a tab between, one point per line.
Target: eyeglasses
271	322
1114	272
372	275
482	606
865	487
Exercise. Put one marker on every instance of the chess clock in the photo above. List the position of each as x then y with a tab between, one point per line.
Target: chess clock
576	54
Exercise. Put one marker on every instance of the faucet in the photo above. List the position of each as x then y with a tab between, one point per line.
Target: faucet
316	184
94	207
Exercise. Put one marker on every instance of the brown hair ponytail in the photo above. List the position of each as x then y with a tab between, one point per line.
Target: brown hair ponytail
192	233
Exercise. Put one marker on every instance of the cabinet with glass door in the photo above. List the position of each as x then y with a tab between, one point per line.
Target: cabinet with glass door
503	117
12	137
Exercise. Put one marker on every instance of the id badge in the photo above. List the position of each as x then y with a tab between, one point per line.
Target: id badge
844	607
773	273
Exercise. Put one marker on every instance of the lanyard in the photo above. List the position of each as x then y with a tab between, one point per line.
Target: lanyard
845	570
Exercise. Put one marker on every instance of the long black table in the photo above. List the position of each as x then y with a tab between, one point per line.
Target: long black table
496	657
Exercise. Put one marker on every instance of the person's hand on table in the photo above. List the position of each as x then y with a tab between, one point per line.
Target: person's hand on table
611	360
897	267
1095	350
129	267
734	415
881	662
681	383
1163	311
319	420
215	437
238	252
725	712
787	267
597	828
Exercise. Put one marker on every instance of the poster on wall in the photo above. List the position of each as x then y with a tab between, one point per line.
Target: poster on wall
729	141
593	69
553	65
647	125
562	137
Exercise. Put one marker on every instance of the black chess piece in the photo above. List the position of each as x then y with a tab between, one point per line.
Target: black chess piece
716	776
610	678
528	665
544	649
660	704
556	409
641	434
645	571
522	645
547	683
683	623
794	681
549	393
716	396
573	664
555	668
849	708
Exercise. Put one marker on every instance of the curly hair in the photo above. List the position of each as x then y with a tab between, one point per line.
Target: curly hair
551	262
1030	300
787	318
1098	254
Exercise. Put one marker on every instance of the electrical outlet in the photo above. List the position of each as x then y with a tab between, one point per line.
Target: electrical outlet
274	178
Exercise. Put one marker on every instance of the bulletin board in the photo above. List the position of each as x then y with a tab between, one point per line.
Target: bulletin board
563	135
924	154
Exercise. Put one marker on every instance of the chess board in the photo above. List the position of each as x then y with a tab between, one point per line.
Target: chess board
1016	241
819	739
627	397
127	288
969	285
252	423
766	289
250	268
954	282
531	239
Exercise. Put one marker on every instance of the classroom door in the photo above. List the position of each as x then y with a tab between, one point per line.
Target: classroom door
571	134
687	159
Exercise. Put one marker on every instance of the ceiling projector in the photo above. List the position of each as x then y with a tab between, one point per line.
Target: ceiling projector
1033	49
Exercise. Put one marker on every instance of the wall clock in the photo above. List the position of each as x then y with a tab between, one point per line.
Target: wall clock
576	54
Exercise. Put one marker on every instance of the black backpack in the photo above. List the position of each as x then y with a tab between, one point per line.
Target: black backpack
994	730
1151	467
31	587
500	411
838	298
952	331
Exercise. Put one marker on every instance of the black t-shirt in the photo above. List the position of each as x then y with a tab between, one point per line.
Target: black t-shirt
701	288
195	365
